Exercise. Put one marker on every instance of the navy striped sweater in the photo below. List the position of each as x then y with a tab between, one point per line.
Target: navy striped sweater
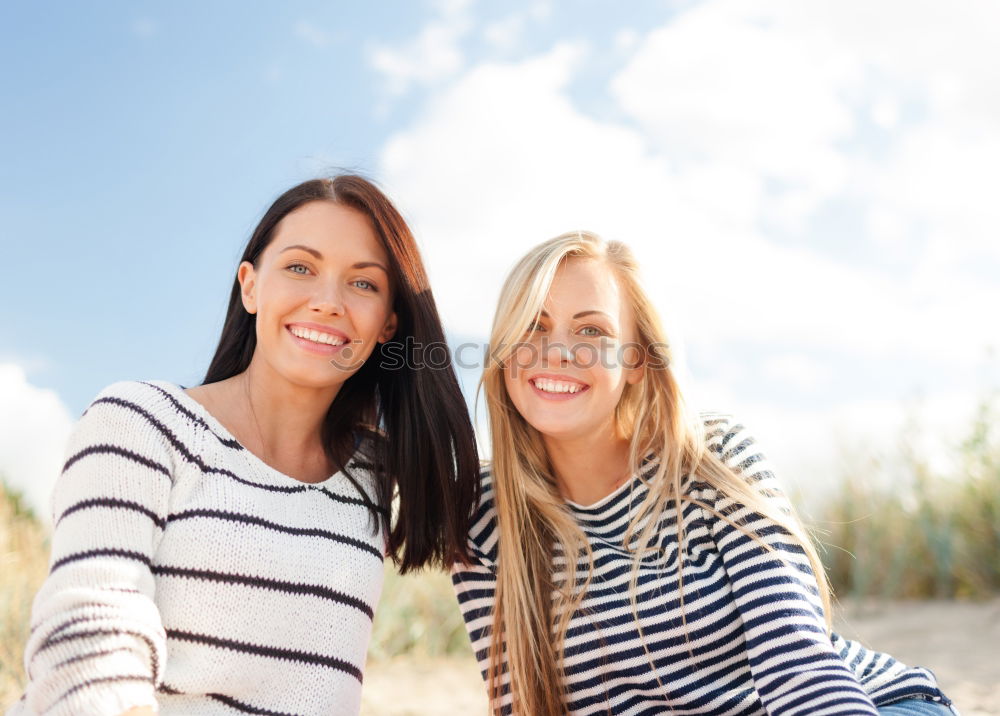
754	642
186	572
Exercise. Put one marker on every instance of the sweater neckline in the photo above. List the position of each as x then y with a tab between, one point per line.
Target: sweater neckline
178	391
598	506
633	484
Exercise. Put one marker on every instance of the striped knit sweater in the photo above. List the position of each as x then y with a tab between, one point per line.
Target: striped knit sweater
186	572
758	642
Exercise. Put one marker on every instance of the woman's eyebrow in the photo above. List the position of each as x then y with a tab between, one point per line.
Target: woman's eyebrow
307	249
581	314
319	256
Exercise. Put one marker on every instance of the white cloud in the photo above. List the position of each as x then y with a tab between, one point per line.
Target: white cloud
797	370
451	8
782	91
502	160
433	55
540	10
34	427
505	33
626	39
747	122
731	87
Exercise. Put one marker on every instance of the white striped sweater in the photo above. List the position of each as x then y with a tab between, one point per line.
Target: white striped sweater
186	572
758	641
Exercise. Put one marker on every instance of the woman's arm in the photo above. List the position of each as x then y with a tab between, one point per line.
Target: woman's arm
794	665
97	645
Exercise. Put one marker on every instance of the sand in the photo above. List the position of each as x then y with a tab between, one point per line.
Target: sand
960	642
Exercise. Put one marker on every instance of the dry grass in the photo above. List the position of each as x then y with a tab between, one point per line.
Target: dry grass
418	617
925	536
23	565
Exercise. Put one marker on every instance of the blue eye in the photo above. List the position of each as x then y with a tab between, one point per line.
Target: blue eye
591	331
294	269
365	285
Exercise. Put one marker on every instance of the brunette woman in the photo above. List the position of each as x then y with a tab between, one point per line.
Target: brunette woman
219	549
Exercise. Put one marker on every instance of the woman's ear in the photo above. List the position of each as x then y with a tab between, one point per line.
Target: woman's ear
389	329
634	364
247	276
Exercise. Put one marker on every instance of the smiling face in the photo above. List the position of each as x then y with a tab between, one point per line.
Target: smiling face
321	293
569	373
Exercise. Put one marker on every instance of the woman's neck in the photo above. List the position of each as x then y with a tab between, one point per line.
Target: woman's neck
288	416
589	468
278	421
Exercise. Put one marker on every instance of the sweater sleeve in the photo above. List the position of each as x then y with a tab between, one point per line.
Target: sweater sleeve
97	645
795	668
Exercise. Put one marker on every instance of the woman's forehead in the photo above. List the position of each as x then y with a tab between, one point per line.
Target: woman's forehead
330	228
584	284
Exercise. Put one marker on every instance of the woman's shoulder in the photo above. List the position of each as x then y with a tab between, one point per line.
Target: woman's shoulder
141	392
736	447
129	423
161	398
134	397
483	526
716	425
486	477
725	435
487	497
139	409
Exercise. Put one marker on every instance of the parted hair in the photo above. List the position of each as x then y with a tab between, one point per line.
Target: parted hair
422	445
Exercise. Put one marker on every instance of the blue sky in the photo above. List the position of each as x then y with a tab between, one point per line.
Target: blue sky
810	187
143	140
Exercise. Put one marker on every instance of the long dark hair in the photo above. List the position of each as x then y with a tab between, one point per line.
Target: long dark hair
423	444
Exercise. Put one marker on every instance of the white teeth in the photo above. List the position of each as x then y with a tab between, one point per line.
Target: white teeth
316	336
557	386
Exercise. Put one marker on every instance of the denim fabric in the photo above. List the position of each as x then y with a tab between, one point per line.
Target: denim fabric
916	706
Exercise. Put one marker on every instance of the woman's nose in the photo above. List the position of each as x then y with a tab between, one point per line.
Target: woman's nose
556	351
327	299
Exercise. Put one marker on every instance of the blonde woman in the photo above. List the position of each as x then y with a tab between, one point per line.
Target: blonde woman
690	585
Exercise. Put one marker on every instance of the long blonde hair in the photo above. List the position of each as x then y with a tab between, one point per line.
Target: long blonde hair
534	523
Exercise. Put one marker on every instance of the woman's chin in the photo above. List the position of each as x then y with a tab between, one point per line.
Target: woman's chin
315	375
561	430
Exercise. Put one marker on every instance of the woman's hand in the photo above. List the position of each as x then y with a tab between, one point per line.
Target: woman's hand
140	711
